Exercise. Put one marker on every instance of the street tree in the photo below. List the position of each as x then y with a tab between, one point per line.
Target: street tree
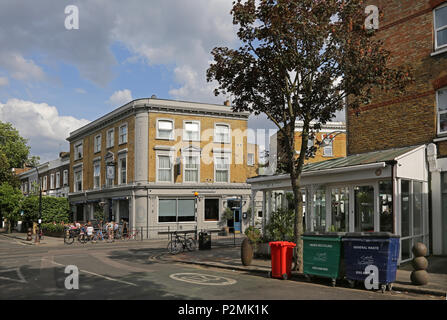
302	60
10	203
14	153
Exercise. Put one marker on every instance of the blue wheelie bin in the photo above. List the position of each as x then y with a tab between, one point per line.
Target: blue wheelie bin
380	249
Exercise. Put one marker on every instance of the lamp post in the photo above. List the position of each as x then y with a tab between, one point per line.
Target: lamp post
37	239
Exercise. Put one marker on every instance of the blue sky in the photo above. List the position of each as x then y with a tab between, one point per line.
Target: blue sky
54	80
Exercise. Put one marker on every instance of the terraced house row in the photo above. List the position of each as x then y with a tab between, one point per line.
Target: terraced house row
160	163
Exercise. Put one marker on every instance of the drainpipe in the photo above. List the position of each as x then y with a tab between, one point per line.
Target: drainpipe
392	163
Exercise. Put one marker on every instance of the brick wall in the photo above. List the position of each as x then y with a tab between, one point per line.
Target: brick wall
394	120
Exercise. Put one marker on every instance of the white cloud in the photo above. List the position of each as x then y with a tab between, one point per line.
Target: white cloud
20	68
4	81
42	125
120	97
80	91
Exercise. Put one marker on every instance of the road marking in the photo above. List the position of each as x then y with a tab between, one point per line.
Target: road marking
97	275
21	277
203	279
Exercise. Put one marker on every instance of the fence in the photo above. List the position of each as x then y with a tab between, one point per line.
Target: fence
218	237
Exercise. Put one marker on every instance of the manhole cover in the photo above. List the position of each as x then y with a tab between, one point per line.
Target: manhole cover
204	279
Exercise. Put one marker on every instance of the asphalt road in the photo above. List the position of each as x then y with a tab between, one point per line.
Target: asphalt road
137	270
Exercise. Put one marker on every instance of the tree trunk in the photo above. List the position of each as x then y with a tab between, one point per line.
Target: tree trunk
298	225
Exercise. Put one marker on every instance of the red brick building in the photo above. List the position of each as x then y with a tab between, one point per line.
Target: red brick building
415	32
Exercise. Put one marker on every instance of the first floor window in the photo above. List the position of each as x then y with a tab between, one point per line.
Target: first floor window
123	170
78	151
191	169
222	168
65	180
441	27
52	181
211	209
164	168
58	180
327	149
78	181
44	183
191	131
96	175
250	159
441	98
176	210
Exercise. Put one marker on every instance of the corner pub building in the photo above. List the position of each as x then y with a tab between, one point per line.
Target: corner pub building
144	162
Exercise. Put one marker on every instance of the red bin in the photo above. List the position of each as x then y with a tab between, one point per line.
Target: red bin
281	253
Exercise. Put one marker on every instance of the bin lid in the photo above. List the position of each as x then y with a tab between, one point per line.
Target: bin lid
282	244
324	234
382	235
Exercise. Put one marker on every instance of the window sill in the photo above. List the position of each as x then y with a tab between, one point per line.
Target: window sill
439	51
165	139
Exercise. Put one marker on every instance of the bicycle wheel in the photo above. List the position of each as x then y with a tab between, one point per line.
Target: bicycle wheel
82	239
68	239
174	247
191	244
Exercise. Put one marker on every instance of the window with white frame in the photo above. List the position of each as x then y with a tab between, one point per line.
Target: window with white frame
52	181
327	147
191	130
122	169
176	210
222	133
65	178
251	159
78	151
123	134
110	139
164	168
78	180
45	183
191	168
222	168
165	129
58	180
441	100
440	23
97	143
96	174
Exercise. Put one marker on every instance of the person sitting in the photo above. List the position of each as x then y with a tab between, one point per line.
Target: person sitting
89	230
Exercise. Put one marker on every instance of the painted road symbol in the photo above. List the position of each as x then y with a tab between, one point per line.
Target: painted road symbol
203	279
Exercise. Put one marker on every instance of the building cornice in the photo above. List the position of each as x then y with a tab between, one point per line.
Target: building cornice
157	106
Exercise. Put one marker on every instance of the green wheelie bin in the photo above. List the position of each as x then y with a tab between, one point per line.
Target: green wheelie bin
322	255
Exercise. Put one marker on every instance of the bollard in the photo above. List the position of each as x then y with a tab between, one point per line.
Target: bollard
28	235
420	264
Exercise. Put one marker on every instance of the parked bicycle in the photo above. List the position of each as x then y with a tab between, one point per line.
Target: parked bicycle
132	235
180	243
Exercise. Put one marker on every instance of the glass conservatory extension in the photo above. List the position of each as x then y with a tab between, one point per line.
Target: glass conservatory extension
372	192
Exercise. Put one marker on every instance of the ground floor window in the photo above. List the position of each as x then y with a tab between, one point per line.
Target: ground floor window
176	210
320	210
364	208
211	209
386	205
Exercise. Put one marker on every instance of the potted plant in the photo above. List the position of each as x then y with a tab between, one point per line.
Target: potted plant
249	245
226	216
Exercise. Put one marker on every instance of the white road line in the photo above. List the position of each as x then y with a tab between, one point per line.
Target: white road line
98	275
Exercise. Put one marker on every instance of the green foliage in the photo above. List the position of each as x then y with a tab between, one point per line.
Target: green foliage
53	209
99	215
53	228
10	201
12	145
227	214
280	226
253	234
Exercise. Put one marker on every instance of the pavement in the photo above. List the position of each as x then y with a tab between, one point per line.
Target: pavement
229	258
